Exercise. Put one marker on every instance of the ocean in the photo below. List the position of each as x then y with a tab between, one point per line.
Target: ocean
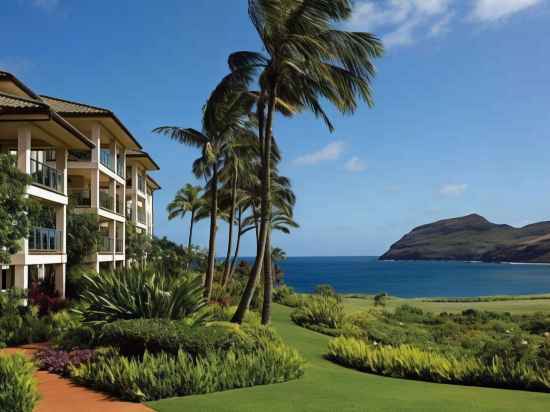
415	279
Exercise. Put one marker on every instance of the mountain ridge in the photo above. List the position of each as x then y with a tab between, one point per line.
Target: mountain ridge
474	238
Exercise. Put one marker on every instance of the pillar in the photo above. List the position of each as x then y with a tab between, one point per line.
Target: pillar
96	139
60	278
94	188
24	150
61	165
21	277
61	224
134	194
41	272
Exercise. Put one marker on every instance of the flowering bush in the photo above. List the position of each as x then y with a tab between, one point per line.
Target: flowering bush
59	361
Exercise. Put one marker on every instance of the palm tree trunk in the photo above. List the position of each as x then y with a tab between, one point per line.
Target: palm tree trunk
268	282
231	217
190	238
244	304
237	247
212	242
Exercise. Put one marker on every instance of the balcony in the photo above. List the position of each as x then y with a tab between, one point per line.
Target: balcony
120	169
106	159
47	177
106	201
45	240
80	156
80	198
119	246
106	245
141	183
141	216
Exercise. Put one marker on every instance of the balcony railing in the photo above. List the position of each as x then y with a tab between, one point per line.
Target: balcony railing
141	216
47	176
119	246
106	201
80	156
45	240
106	245
80	198
106	159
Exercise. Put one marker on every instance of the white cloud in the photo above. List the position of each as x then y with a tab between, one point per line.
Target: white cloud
401	21
453	189
491	10
355	165
331	151
46	4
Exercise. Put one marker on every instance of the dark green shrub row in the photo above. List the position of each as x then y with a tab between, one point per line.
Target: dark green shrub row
18	391
407	361
135	337
162	375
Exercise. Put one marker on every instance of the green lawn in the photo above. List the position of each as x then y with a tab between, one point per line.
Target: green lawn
519	306
329	387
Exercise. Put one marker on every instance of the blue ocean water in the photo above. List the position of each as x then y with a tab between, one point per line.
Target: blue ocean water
415	279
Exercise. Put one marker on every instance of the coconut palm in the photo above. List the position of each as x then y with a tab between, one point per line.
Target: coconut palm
223	118
187	200
306	60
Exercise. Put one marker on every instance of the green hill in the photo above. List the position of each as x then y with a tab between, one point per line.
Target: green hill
474	238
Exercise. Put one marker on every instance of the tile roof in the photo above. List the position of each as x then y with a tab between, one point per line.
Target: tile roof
11	104
141	153
65	107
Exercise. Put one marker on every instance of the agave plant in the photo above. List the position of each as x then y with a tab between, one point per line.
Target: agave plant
141	293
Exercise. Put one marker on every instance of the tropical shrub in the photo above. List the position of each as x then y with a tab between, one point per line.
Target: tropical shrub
222	313
326	290
406	361
141	293
18	391
59	361
135	337
380	299
285	295
320	310
157	376
77	337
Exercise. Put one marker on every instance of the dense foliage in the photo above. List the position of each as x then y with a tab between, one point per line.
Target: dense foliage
141	293
319	312
405	361
162	375
14	219
18	391
60	362
135	337
83	236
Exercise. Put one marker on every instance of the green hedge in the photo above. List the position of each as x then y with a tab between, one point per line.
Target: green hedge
407	361
158	376
18	391
135	337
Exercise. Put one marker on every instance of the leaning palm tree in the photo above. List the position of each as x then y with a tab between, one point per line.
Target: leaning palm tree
187	200
306	60
223	118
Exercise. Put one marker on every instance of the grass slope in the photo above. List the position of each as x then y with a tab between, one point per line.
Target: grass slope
329	387
517	306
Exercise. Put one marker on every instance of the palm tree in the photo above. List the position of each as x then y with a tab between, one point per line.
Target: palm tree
307	59
222	121
187	200
277	255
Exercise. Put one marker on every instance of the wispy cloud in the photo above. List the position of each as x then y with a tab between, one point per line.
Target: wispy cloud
46	4
453	189
492	10
355	165
331	151
404	22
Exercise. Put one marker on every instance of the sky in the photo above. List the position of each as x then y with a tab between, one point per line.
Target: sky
461	122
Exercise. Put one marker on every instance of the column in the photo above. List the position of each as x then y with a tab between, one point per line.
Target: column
61	225
61	165
21	277
134	194
94	188
60	277
41	272
96	139
24	150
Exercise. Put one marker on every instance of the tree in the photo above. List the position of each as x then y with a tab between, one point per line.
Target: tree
83	236
187	200
306	60
138	244
14	207
223	118
278	255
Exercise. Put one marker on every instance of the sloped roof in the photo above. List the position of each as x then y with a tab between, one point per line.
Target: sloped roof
145	155
67	107
16	104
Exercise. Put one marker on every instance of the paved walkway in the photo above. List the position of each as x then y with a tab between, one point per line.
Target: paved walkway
61	395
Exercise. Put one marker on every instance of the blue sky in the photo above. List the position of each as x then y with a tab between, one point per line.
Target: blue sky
461	122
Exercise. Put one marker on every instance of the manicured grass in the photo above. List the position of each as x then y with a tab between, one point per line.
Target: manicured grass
329	387
516	306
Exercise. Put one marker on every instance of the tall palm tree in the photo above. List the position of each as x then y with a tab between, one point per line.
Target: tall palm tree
187	200
306	60
223	118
